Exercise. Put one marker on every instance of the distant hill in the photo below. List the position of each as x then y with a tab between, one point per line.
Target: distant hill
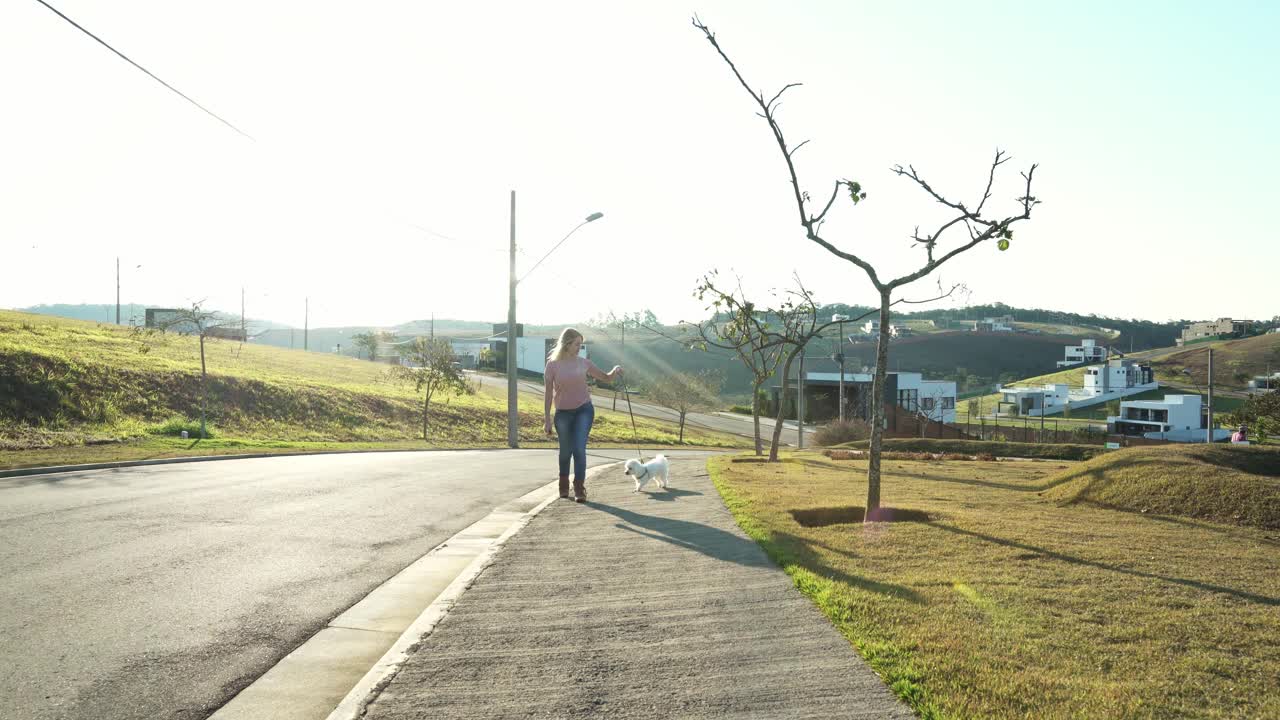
130	314
1235	362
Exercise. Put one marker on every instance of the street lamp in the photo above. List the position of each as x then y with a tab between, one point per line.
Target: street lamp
840	359
513	415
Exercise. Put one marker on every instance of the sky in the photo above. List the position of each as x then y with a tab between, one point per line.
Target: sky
386	139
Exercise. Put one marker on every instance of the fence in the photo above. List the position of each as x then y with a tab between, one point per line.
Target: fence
900	423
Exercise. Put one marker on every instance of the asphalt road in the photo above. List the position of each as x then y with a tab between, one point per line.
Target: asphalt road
161	591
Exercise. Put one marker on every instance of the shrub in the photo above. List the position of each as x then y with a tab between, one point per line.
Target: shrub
837	432
176	424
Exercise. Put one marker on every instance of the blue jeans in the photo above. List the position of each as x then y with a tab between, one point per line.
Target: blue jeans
572	427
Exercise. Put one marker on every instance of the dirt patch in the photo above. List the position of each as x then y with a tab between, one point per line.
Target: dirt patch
850	514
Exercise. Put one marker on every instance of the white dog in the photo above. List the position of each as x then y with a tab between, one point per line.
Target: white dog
655	469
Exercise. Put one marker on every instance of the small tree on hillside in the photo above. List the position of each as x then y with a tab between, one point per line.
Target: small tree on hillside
686	392
203	324
980	228
433	373
370	341
736	324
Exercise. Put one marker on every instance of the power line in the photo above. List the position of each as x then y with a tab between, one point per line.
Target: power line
148	72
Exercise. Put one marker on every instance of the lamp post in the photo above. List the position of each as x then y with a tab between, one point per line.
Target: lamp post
513	415
840	359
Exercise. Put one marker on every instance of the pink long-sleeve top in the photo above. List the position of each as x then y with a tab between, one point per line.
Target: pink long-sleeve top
566	382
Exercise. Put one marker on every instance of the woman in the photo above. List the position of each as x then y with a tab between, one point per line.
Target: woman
566	386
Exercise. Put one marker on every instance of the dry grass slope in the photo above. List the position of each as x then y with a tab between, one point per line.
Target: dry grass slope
1236	485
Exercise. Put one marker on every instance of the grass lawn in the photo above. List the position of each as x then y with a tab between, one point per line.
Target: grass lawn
1007	603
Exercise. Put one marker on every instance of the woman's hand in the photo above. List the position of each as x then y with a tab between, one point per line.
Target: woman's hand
546	426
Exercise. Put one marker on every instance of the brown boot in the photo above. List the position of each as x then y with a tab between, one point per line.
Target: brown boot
579	490
564	486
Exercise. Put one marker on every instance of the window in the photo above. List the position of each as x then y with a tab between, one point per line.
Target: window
948	403
926	404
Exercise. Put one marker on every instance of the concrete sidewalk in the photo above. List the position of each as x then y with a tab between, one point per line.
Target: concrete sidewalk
634	605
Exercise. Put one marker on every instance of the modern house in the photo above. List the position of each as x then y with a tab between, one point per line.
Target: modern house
871	327
531	352
1102	383
467	352
1215	330
1003	323
1174	412
1088	351
899	330
933	399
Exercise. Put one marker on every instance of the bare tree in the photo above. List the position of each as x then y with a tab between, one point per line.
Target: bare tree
685	392
205	324
736	324
432	371
980	228
797	325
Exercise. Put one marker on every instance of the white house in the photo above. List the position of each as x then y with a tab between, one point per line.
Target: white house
1033	400
898	330
935	399
1178	418
468	352
531	353
1174	412
1116	376
1102	383
1004	323
871	327
1088	351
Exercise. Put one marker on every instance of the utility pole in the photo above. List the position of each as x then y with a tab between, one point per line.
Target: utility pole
621	353
513	407
117	289
433	326
244	335
306	321
1209	423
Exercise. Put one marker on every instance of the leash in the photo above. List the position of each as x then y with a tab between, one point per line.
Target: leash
635	434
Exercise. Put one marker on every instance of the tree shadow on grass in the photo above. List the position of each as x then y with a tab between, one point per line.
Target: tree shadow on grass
1186	582
786	549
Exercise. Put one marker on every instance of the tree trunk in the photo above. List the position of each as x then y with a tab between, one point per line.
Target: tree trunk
755	416
682	414
877	409
782	405
426	406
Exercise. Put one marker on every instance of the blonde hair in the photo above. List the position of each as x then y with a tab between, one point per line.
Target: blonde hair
567	336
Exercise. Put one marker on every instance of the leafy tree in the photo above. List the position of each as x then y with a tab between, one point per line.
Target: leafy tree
686	392
432	371
372	340
979	226
1260	413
